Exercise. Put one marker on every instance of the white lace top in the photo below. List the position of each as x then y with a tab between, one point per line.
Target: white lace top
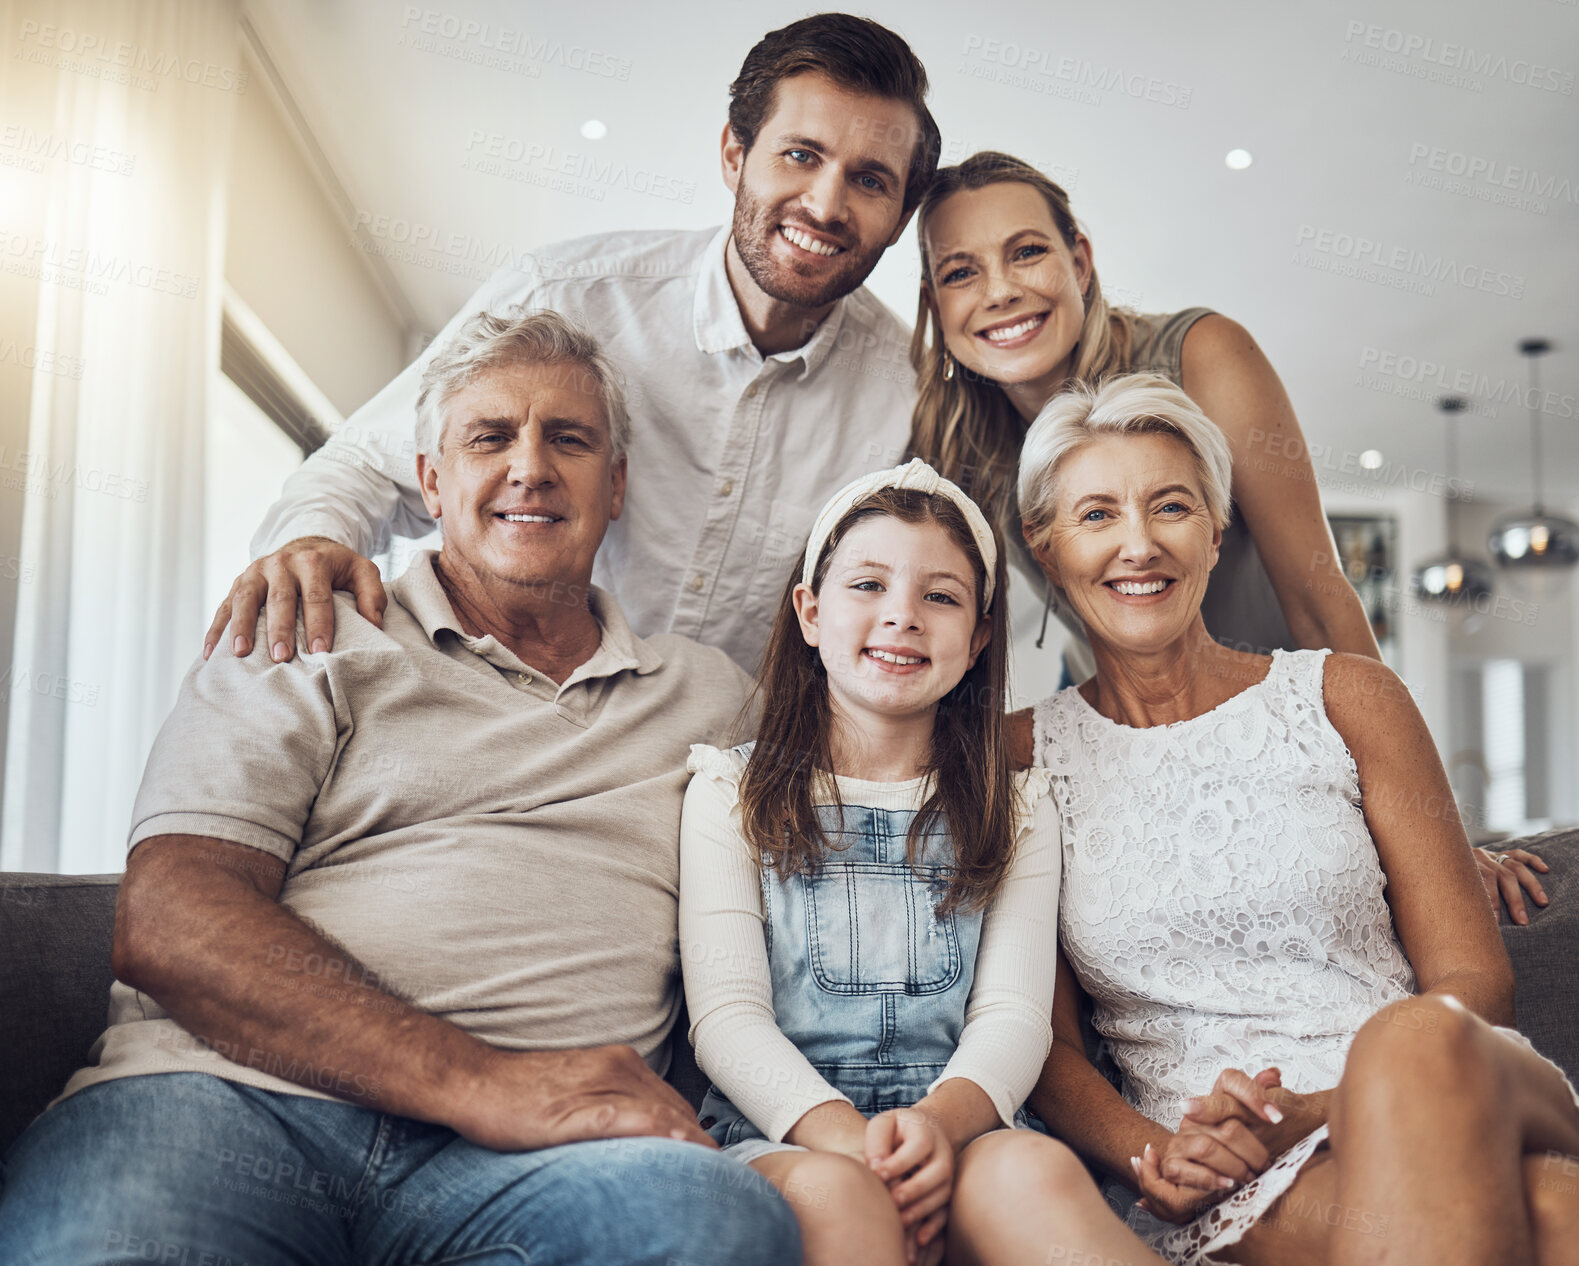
1222	900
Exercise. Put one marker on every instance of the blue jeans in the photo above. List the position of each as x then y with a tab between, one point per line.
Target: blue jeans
187	1169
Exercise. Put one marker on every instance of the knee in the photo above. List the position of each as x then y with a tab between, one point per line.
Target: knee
696	1206
1416	1051
1019	1169
840	1186
1551	1191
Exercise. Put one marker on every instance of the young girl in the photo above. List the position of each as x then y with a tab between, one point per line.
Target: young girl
868	897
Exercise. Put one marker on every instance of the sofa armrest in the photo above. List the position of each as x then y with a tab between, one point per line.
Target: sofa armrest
1545	953
55	935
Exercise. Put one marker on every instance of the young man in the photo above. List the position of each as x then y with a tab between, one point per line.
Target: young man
760	372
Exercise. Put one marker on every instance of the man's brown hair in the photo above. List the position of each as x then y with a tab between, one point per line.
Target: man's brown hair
858	55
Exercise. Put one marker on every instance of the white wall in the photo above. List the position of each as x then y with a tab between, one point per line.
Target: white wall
291	257
1533	618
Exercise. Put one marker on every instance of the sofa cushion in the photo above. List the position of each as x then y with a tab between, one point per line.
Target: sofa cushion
55	933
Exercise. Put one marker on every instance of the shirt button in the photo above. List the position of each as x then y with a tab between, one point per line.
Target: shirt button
726	488
697	582
521	677
751	391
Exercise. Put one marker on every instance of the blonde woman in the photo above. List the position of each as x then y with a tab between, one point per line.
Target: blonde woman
1011	313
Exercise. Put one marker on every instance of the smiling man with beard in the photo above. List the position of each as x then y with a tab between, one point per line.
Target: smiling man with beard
760	371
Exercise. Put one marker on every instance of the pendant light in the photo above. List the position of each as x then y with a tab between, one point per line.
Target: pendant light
1453	577
1532	538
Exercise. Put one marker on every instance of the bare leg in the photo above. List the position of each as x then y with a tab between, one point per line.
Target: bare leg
1022	1197
844	1210
1430	1127
1551	1186
1297	1229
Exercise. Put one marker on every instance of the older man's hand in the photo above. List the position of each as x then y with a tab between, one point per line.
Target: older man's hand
526	1100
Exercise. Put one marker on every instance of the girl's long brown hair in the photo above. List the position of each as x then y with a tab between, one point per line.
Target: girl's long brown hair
964	426
971	789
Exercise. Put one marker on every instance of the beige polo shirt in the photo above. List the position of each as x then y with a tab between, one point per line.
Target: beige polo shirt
496	849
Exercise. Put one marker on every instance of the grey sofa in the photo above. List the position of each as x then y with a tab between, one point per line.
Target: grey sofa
55	933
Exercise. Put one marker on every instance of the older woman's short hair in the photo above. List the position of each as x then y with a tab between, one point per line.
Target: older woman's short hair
516	336
1131	404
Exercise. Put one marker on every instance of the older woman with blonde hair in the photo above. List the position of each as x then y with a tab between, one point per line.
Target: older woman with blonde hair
1296	972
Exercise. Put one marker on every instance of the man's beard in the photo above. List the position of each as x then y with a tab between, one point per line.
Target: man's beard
756	225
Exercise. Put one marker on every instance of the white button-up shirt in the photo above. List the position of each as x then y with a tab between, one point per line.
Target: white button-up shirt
731	454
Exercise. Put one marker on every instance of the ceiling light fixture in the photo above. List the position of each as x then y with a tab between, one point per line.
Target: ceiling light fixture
1533	538
1455	576
1238	159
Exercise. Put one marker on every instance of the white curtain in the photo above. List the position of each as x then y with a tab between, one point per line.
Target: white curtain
130	264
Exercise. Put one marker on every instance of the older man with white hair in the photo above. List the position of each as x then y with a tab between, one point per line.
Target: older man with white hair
396	937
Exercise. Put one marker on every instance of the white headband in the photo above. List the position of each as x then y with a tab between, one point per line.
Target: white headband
917	475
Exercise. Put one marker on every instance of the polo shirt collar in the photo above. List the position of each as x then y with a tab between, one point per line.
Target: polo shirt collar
419	591
716	317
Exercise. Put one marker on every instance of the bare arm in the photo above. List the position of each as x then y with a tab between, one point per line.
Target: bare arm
1078	1103
1229	376
200	929
1439	906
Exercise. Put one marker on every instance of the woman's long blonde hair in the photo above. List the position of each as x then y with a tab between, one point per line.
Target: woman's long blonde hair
964	425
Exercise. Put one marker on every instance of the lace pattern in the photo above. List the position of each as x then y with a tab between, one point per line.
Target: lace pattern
1222	904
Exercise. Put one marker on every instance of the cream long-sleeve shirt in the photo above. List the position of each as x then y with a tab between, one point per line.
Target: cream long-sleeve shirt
728	988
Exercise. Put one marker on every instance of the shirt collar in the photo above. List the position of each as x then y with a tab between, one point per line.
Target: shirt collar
419	591
716	314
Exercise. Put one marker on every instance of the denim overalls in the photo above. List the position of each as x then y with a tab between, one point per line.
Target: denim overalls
868	982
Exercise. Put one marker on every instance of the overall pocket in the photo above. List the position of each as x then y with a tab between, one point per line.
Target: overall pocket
872	929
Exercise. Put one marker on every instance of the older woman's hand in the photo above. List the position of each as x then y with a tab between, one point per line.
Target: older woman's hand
1213	1151
1508	876
1175	1201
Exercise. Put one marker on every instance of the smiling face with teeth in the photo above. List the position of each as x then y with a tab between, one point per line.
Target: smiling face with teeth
1007	289
819	195
525	485
1132	542
895	621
